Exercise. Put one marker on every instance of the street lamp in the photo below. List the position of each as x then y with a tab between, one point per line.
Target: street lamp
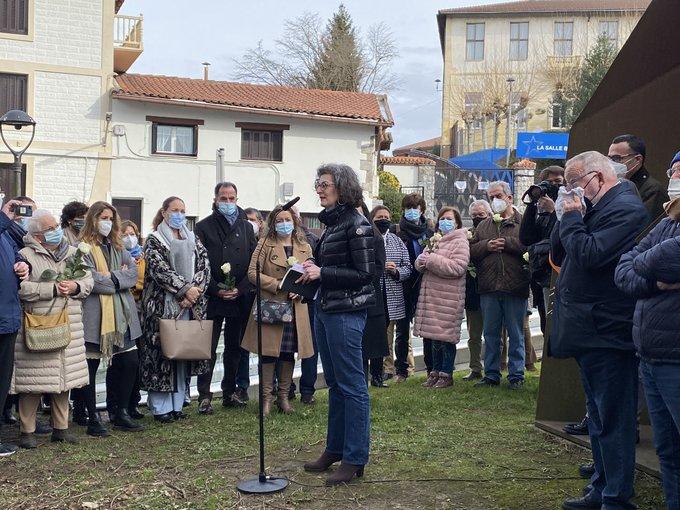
17	119
510	81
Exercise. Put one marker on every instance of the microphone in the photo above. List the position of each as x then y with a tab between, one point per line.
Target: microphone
290	204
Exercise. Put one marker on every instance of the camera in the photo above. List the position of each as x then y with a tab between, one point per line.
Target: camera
542	189
25	211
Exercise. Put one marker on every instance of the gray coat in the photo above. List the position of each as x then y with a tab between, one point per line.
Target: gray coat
127	279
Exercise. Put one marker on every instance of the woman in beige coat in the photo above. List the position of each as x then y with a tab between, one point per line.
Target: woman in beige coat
53	373
284	239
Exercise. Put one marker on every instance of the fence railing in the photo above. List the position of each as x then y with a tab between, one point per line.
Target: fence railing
127	32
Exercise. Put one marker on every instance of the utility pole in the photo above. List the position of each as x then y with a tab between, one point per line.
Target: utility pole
510	81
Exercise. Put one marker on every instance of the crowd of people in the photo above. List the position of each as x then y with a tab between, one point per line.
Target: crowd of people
600	234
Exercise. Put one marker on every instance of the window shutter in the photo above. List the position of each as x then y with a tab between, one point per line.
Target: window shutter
14	16
12	92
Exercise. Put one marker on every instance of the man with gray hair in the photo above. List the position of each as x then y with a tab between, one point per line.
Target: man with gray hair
592	318
503	285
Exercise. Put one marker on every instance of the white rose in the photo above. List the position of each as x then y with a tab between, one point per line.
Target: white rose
437	237
226	268
497	218
84	248
291	261
469	234
526	256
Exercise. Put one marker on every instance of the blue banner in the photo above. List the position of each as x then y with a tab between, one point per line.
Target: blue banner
542	145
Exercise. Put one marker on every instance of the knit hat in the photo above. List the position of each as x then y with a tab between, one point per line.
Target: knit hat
676	158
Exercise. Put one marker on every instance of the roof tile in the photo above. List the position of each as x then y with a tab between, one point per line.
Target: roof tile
405	160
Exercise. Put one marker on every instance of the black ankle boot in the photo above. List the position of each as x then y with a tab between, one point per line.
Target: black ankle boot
122	421
344	474
79	413
95	427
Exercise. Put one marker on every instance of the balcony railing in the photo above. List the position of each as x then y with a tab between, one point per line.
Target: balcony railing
128	42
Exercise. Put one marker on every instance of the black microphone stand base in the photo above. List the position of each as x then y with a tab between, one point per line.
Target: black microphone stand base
262	485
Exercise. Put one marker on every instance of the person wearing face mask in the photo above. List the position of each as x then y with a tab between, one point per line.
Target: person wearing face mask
398	269
439	313
175	282
650	273
13	269
631	151
73	221
413	229
503	285
592	319
53	373
228	238
280	341
479	211
255	219
110	319
19	227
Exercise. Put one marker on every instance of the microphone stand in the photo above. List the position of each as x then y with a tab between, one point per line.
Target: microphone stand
262	484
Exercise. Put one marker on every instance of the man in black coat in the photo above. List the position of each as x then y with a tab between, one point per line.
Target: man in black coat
592	319
228	238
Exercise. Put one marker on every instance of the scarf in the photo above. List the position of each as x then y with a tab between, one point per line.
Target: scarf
414	231
181	258
115	315
231	218
59	253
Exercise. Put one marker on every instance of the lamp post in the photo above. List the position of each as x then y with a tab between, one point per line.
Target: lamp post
510	81
17	119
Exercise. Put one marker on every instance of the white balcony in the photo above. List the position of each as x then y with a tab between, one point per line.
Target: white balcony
128	42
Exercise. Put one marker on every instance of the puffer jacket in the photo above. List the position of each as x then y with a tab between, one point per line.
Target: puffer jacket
439	312
345	256
50	372
506	271
656	321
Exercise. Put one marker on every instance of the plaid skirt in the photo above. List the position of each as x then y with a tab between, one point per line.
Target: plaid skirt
289	337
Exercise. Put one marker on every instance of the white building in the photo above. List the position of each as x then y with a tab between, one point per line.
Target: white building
57	59
167	131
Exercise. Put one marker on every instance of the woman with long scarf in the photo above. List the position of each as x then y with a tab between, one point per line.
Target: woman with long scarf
110	319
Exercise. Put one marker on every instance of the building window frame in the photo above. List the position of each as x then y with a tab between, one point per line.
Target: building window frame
174	124
8	85
20	29
262	141
474	41
519	40
610	28
563	33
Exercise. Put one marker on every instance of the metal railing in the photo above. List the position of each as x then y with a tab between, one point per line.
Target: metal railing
127	32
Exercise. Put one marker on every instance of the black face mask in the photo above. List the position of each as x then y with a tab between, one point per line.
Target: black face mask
477	221
383	225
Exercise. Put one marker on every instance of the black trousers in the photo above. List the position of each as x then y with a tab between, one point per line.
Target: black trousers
6	364
401	338
88	394
374	367
230	357
121	377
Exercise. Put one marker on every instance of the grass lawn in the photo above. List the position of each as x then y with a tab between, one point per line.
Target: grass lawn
482	441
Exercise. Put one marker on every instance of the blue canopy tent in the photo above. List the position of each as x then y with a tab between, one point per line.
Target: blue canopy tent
483	163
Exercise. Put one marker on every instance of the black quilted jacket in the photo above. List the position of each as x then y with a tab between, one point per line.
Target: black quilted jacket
347	261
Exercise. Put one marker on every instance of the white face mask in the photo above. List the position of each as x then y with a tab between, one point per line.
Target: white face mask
104	227
130	242
498	205
256	226
620	169
674	188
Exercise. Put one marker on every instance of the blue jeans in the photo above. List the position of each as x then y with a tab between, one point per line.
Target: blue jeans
610	381
163	402
501	310
443	356
338	337
243	374
662	387
309	365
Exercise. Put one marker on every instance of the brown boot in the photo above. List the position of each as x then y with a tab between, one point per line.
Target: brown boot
431	379
267	387
444	381
323	463
285	379
344	474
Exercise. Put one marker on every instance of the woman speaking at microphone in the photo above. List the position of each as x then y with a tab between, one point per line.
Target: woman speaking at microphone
344	264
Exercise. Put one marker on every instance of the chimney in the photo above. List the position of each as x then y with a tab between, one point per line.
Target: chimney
206	65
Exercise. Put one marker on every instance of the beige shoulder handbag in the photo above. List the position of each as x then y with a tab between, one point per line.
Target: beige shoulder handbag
189	340
47	333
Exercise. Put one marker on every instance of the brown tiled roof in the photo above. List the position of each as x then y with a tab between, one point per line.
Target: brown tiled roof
425	144
119	4
405	160
539	6
370	108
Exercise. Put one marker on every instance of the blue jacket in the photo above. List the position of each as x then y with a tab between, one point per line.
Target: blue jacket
656	324
10	309
590	312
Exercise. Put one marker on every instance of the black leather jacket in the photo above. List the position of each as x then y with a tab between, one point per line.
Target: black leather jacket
347	261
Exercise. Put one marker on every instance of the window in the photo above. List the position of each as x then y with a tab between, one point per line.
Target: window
174	136
12	92
474	48
611	30
14	16
129	209
519	41
519	117
473	107
262	141
7	181
564	38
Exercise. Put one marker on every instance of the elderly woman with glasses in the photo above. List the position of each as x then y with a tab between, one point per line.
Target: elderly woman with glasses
344	264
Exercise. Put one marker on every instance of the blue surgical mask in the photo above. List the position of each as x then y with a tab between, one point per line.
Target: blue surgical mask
24	223
285	228
177	220
226	208
412	214
54	237
446	226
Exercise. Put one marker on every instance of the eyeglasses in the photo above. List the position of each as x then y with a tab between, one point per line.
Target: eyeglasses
671	171
570	184
618	159
324	185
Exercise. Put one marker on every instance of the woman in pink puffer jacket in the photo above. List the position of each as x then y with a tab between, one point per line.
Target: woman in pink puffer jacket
441	303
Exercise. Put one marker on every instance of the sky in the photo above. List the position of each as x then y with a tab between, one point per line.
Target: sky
180	34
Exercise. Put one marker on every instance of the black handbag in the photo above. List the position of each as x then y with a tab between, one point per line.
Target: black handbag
275	312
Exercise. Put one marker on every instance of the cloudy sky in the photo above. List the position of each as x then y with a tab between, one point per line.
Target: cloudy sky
180	34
